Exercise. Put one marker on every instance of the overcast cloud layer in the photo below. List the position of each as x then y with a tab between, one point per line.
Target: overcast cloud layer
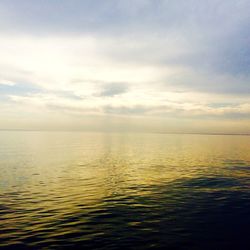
166	66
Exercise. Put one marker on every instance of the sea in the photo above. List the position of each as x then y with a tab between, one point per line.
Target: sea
91	190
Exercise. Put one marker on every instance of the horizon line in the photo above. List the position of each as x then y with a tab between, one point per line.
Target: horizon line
135	132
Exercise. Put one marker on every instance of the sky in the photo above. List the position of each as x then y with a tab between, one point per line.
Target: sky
179	66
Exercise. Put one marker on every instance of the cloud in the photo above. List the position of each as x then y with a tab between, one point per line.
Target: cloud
184	58
17	88
113	89
127	105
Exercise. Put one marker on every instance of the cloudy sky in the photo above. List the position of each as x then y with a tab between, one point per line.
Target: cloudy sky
132	65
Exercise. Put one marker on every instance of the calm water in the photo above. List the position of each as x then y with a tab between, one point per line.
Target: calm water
137	191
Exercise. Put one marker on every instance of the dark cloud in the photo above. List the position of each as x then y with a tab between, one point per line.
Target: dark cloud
113	89
124	110
67	95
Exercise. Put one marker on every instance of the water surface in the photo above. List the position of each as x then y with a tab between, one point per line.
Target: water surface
137	191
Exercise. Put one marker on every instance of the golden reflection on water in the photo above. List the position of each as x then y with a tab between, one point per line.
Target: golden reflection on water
113	161
47	177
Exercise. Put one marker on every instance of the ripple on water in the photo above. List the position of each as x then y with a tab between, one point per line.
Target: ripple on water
113	192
